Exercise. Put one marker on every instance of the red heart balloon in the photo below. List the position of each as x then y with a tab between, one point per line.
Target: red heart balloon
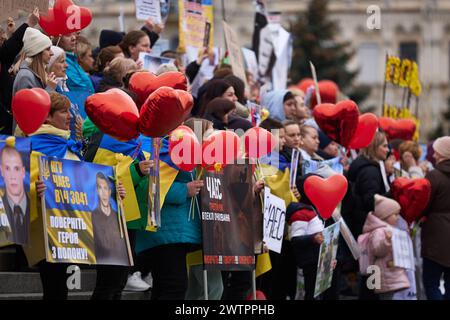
328	91
413	196
398	129
145	83
367	126
30	108
221	147
114	113
164	110
325	194
184	148
258	142
339	122
304	84
65	18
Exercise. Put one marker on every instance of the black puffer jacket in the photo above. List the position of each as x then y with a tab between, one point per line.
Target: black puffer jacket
365	180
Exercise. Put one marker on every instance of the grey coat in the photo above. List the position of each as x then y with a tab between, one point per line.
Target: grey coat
27	79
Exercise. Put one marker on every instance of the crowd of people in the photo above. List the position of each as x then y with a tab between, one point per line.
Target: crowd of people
70	69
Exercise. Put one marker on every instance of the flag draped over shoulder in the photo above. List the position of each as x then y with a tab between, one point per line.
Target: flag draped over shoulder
276	173
108	151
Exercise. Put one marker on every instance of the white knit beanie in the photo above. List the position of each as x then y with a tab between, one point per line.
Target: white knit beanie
34	42
57	52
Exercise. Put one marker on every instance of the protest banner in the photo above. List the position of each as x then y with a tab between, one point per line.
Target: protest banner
402	74
251	62
193	17
152	62
82	218
274	220
14	190
328	250
146	9
234	52
402	249
347	234
227	212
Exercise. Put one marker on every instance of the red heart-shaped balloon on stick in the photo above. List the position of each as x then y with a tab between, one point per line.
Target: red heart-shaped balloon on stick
339	122
398	129
30	108
328	91
367	126
221	147
163	111
114	113
65	18
325	194
258	142
413	196
145	83
184	148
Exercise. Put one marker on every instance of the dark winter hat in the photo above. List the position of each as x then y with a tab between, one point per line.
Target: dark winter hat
324	140
110	38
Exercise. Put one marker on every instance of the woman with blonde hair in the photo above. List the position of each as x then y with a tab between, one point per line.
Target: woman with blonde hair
30	69
115	73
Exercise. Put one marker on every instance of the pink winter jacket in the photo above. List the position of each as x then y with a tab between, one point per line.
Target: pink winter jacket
380	249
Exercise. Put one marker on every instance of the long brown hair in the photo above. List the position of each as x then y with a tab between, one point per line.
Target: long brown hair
131	39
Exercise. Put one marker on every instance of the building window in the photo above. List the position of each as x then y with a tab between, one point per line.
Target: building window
408	50
369	63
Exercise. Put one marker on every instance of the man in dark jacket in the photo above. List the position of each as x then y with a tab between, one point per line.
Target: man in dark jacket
436	229
8	53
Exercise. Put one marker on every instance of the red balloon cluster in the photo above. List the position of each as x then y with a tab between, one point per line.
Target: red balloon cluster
365	131
328	90
116	114
30	108
184	148
398	129
413	196
343	124
145	83
186	152
258	142
339	122
65	18
325	194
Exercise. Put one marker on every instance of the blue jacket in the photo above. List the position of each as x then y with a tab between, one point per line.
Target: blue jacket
77	80
176	225
273	101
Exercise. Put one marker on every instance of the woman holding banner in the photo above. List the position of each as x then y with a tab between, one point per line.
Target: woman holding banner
51	139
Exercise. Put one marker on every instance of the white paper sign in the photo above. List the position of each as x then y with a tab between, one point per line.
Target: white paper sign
251	62
152	63
402	249
148	9
274	220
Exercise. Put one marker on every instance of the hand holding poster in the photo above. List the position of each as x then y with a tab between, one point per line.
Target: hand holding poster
274	220
328	250
146	9
227	205
82	223
14	190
